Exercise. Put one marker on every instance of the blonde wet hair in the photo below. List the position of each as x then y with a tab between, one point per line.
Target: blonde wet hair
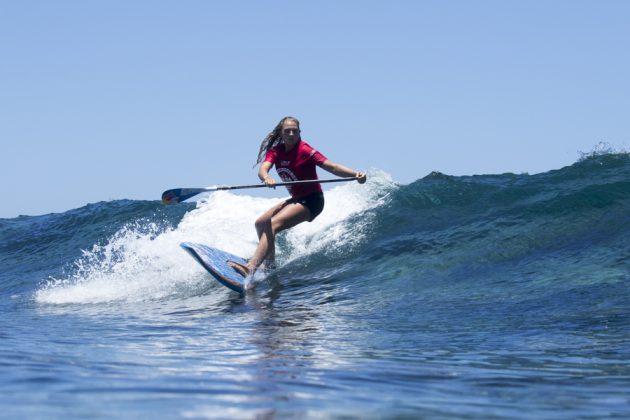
274	138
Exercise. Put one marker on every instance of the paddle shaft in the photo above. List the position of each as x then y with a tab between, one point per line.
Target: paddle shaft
180	194
280	184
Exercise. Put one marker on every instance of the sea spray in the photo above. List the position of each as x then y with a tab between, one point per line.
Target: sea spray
142	261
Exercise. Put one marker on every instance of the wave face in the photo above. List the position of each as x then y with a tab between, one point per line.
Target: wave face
508	289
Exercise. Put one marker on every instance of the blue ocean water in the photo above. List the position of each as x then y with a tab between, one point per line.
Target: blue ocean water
502	296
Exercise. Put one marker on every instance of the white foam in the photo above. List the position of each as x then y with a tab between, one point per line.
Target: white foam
332	231
140	262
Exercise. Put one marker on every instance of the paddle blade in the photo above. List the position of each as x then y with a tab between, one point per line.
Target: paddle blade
178	195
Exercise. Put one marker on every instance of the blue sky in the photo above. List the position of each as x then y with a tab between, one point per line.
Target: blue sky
103	100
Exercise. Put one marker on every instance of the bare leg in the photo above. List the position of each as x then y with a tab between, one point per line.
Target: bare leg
262	226
278	218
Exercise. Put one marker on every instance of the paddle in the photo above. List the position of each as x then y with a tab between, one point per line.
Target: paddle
178	195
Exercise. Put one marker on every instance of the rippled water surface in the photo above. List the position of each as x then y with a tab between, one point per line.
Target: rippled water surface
458	297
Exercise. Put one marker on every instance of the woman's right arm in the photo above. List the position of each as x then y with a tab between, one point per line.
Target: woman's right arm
263	174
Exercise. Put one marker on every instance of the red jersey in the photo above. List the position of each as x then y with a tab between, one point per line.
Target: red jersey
298	164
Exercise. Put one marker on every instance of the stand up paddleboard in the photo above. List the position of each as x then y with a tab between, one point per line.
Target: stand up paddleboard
215	262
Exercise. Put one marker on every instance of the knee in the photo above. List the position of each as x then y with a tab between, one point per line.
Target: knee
262	223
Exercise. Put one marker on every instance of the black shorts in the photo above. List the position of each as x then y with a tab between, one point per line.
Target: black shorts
313	202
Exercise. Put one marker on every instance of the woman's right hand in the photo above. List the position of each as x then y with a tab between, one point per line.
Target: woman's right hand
270	182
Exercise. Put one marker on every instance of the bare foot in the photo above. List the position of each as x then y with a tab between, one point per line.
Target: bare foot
241	269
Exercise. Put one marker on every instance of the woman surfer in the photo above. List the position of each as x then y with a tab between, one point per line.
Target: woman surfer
295	160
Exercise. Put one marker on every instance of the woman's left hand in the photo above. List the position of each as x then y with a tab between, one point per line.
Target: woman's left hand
361	177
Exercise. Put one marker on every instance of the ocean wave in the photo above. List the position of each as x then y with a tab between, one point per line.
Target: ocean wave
436	229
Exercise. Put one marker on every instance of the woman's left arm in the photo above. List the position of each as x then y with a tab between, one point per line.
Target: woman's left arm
343	171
